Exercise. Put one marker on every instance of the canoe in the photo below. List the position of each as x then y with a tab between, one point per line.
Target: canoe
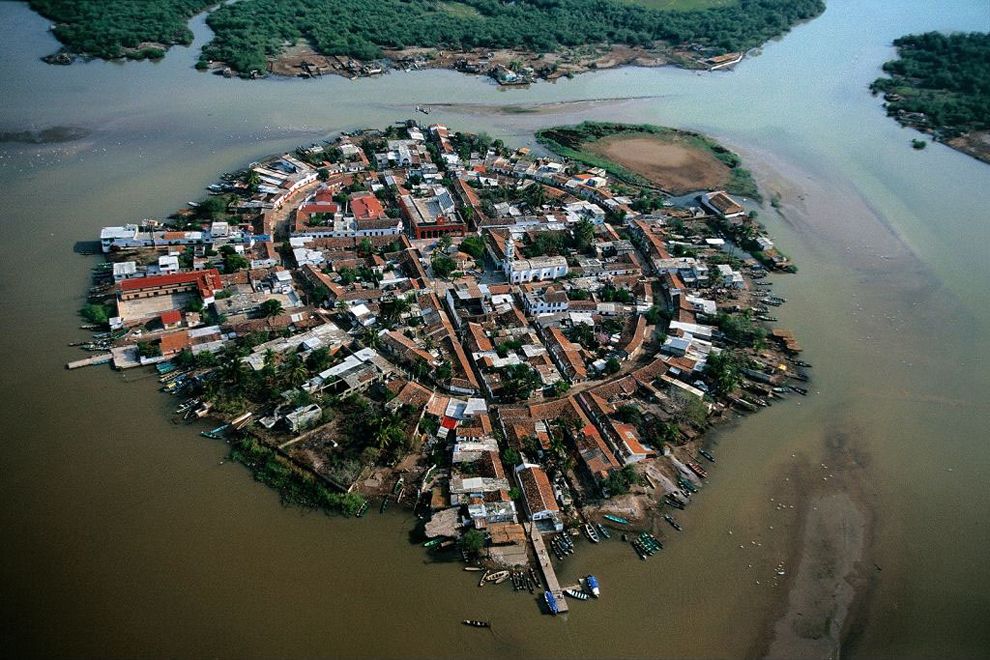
616	519
574	593
474	623
497	576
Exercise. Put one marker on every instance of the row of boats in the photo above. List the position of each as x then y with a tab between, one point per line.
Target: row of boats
646	545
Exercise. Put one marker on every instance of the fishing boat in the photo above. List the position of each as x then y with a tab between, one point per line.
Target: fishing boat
800	390
498	576
640	550
384	505
673	501
432	543
503	578
697	469
616	519
673	523
574	593
687	485
474	623
550	601
215	434
590	532
473	568
707	454
592	583
484	579
603	531
165	367
363	510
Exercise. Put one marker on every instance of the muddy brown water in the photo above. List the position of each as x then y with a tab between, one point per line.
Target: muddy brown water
123	534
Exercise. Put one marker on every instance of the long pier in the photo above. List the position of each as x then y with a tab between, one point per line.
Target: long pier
549	575
102	358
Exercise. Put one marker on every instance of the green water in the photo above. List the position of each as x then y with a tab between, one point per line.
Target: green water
124	535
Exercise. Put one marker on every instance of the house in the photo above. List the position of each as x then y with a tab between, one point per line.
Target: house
171	319
722	205
731	279
541	507
303	417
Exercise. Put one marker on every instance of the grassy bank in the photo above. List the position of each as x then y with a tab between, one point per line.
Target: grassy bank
294	486
574	141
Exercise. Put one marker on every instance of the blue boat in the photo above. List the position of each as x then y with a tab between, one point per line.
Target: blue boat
550	601
616	519
165	367
592	583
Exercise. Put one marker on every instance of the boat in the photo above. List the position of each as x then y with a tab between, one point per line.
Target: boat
687	485
574	593
384	506
603	531
707	454
473	568
215	434
363	510
697	469
165	367
432	543
503	578
484	579
800	390
592	583
474	623
673	523
673	501
550	601
497	576
616	519
591	533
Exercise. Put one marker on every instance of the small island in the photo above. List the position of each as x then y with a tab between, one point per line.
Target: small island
513	42
520	349
940	85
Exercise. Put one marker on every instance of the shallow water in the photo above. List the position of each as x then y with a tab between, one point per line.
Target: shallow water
124	534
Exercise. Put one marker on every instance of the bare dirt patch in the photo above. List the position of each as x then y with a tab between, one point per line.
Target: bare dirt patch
674	166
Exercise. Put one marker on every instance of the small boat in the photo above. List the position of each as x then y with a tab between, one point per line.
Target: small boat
474	623
574	593
800	390
687	485
673	523
592	583
432	543
707	454
603	531
590	532
616	519
498	576
484	579
673	501
363	510
473	568
697	469
384	506
550	601
215	434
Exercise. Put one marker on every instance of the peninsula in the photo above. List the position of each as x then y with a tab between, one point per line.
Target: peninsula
514	42
519	348
940	85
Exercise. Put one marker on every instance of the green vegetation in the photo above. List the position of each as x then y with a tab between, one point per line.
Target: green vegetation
443	265
95	313
620	481
294	486
473	541
940	83
723	370
570	141
118	29
250	31
473	245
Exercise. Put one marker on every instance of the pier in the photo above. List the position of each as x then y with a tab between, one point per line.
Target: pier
102	358
549	575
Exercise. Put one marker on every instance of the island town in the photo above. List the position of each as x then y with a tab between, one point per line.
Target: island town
524	350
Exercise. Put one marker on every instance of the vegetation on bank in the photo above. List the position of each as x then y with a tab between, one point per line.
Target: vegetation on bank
570	142
294	486
249	31
118	29
939	83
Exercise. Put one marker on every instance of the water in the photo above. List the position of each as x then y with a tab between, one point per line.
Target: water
123	534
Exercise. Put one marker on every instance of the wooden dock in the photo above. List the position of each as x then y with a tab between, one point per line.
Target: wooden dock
549	575
102	358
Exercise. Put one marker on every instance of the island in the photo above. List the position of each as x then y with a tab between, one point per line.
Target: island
520	348
514	42
940	85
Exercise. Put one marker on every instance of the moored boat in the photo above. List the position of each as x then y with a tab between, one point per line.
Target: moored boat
475	623
673	523
603	531
574	593
616	519
550	601
707	454
592	583
473	568
697	469
498	576
590	532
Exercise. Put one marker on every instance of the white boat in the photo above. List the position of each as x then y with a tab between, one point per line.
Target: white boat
498	576
574	593
591	533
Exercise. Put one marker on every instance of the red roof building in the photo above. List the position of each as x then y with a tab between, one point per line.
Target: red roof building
365	206
204	282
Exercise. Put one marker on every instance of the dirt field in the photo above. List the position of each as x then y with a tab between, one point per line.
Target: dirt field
677	168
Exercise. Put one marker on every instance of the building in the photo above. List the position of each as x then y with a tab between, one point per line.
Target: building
432	217
541	506
722	205
203	282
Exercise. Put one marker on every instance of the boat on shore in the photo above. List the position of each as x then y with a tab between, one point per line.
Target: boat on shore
475	623
363	510
498	577
673	501
592	582
590	532
616	519
697	469
603	531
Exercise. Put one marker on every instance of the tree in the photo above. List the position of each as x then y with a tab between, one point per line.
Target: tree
722	369
473	541
473	245
271	308
95	313
147	349
519	381
584	234
443	243
612	366
443	265
365	247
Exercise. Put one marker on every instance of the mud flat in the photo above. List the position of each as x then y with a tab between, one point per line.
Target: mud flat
671	164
